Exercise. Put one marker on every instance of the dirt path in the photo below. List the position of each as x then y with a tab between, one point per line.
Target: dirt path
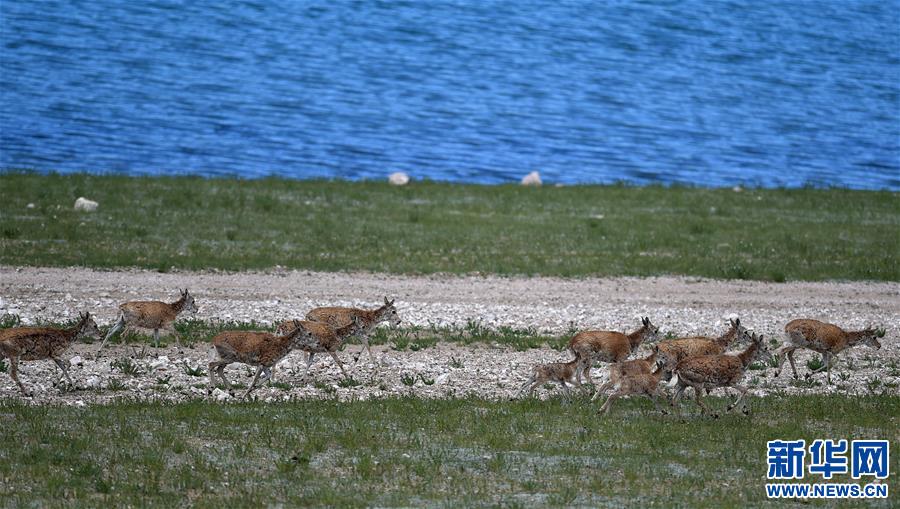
675	303
681	305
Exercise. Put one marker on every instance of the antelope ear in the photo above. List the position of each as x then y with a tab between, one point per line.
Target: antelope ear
736	322
645	320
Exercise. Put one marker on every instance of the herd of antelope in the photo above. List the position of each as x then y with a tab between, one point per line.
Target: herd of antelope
697	362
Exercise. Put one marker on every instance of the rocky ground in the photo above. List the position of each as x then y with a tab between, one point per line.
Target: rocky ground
683	306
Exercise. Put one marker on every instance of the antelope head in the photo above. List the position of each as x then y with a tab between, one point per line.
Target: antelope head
388	313
87	327
189	305
651	332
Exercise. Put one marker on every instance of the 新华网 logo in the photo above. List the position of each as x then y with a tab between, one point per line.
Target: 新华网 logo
861	459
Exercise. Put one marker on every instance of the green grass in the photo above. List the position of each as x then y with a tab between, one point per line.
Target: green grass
414	452
194	223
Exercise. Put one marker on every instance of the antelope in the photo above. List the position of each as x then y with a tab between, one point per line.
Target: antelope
561	372
337	317
608	346
620	370
151	314
640	383
721	370
261	349
329	340
673	351
39	343
825	338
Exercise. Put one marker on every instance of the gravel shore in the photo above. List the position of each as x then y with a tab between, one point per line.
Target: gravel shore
685	306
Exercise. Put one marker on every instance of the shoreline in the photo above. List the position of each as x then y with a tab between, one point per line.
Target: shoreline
734	186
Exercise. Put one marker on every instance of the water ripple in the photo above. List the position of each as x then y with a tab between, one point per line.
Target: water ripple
770	93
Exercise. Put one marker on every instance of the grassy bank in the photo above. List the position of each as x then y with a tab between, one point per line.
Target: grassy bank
413	452
192	223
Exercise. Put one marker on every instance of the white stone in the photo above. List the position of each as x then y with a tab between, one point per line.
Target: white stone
532	179
85	205
76	361
398	178
220	395
159	364
79	403
29	206
93	382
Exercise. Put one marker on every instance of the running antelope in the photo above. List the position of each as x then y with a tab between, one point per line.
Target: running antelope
825	338
642	383
722	370
620	370
39	343
330	340
337	317
608	346
261	349
561	372
151	314
673	351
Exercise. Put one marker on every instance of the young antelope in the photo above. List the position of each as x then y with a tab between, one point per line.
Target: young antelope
329	340
337	317
620	370
642	383
608	346
38	343
152	314
825	338
261	349
560	372
723	370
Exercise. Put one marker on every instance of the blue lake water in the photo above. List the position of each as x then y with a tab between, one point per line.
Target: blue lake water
768	93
